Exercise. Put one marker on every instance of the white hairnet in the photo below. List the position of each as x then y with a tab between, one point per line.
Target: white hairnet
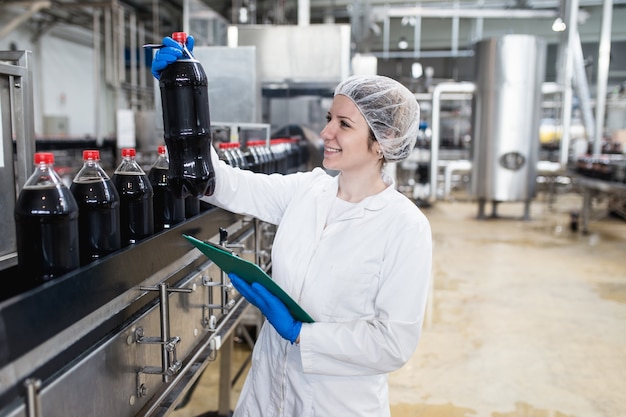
389	108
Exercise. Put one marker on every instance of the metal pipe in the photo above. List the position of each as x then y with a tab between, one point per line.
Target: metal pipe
417	37
582	86
383	12
454	35
304	12
33	400
121	45
156	28
463	87
566	118
132	29
186	24
165	327
604	56
386	30
143	79
23	17
108	47
386	54
97	54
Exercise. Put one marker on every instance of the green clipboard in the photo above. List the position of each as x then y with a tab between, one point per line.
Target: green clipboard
248	271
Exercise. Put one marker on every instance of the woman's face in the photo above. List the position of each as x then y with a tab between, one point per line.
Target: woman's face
346	138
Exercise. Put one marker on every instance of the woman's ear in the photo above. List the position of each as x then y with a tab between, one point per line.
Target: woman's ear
379	151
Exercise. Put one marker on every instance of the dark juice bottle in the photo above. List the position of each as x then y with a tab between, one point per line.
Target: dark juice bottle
187	125
136	212
46	220
98	208
168	209
192	206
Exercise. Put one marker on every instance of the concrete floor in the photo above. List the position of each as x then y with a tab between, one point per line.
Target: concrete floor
526	318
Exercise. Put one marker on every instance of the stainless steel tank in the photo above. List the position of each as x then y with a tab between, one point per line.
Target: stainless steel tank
507	101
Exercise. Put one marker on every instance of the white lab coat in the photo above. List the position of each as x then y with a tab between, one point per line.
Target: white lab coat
364	280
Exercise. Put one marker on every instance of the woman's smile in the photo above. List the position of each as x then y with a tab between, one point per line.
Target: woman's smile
330	150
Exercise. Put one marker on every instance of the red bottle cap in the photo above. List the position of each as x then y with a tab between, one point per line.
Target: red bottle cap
180	37
91	155
161	149
128	152
44	158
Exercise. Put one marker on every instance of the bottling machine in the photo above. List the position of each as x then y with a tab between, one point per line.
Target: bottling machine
127	335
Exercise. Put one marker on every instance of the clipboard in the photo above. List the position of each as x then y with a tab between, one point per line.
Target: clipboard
249	272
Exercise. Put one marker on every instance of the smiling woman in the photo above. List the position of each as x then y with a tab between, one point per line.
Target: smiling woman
349	249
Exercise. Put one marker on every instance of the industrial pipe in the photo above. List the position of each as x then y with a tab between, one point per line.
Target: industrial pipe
448	87
604	56
32	10
567	47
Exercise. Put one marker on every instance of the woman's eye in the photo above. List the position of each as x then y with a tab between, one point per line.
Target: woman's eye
344	124
327	119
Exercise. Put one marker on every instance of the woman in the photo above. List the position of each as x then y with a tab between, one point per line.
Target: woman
350	249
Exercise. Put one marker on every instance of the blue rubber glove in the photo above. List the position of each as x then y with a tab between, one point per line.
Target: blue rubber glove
170	52
275	310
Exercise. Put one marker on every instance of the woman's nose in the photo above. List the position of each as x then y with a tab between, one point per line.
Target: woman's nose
326	132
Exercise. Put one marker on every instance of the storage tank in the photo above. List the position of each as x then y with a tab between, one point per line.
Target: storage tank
507	104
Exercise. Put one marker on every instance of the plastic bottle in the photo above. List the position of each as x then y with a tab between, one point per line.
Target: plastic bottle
192	206
98	208
238	155
46	221
252	157
187	125
133	186
265	161
168	209
225	154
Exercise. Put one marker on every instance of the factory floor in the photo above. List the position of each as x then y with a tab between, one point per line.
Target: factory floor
527	318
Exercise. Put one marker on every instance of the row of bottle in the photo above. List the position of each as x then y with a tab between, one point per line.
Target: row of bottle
282	155
59	229
606	167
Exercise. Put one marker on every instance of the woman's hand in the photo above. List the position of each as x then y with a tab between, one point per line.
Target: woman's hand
275	310
169	53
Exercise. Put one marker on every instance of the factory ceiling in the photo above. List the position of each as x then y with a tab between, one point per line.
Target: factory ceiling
165	16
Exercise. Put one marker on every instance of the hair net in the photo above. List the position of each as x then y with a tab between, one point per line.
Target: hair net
389	108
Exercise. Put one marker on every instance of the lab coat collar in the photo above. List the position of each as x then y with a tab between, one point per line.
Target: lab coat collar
372	203
329	192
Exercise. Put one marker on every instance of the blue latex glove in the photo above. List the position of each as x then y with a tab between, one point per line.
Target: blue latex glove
275	310
168	54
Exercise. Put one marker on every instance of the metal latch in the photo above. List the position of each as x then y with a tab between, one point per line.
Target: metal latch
170	365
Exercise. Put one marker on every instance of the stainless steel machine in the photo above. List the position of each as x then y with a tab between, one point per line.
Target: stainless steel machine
17	135
128	335
506	111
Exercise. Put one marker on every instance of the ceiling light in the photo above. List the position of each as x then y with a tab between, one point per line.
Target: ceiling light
403	43
243	15
559	25
408	21
416	70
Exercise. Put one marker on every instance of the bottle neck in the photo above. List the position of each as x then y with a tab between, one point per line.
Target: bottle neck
44	175
129	165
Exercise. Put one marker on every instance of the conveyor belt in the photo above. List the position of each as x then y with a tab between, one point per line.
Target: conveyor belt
48	328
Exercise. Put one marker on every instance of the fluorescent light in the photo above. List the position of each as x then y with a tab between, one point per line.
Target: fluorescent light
558	25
